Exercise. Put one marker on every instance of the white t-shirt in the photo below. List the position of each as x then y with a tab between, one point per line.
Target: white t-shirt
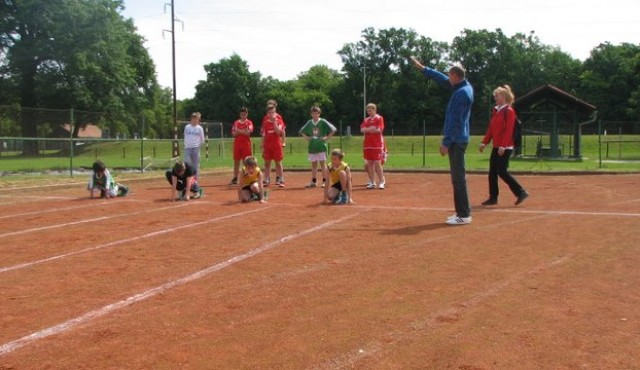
193	136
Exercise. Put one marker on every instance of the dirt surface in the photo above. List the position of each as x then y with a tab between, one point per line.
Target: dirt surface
145	283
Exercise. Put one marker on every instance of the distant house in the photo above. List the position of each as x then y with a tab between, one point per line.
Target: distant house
89	131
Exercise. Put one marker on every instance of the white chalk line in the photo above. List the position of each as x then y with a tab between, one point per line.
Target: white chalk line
128	240
506	210
34	213
105	310
56	226
377	348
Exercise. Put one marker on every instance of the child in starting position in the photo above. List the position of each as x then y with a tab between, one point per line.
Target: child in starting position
340	184
101	181
250	182
181	178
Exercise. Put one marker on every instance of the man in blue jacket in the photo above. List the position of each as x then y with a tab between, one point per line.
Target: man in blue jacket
456	134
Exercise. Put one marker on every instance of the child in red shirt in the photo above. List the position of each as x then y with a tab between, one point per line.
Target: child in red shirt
241	132
271	131
373	146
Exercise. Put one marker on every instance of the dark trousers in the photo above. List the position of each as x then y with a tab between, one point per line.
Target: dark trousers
181	184
459	179
498	167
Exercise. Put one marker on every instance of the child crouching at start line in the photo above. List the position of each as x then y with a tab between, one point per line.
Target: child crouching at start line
101	181
339	190
182	179
250	180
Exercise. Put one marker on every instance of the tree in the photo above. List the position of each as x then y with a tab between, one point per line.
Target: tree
610	80
75	54
228	87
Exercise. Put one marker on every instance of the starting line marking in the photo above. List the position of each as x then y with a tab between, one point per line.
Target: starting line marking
89	220
105	310
122	241
523	211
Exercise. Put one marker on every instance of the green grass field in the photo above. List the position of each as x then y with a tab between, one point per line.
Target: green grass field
405	153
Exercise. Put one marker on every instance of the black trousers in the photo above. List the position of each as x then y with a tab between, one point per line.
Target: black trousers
181	184
498	167
459	179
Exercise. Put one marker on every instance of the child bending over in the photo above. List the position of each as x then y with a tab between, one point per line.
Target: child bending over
101	181
182	178
250	179
339	190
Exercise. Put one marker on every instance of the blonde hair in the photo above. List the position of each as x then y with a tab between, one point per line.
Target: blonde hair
505	90
371	105
337	153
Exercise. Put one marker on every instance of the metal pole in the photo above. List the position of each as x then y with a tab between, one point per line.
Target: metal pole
424	143
176	149
71	125
364	95
341	133
142	146
600	143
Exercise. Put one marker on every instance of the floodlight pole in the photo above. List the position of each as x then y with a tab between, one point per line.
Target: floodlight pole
364	94
176	146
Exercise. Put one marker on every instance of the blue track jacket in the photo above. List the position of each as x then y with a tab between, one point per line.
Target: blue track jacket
456	120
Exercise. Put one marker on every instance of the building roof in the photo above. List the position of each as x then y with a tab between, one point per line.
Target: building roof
88	131
554	95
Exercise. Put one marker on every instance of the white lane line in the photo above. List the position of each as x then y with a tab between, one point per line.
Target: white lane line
103	203
378	348
128	240
36	197
26	231
95	314
506	210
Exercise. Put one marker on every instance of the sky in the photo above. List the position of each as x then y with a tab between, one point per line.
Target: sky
283	38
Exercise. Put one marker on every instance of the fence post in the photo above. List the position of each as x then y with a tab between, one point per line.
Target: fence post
206	141
600	144
142	146
424	143
71	124
341	133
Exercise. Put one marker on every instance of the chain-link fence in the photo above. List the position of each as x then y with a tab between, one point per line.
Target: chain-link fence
68	141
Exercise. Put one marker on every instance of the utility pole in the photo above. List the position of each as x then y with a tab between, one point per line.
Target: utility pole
176	146
364	94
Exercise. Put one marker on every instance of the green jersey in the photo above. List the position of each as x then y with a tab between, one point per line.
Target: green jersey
316	131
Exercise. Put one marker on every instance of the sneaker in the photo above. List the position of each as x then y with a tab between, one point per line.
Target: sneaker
522	197
234	181
199	194
342	198
324	183
490	202
382	185
266	183
181	195
255	196
371	185
278	180
123	191
459	220
452	216
281	184
312	184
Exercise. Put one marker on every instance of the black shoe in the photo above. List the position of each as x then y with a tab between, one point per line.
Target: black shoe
522	197
490	202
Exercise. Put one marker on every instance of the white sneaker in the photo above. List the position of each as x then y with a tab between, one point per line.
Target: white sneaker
382	185
371	185
459	220
452	216
311	185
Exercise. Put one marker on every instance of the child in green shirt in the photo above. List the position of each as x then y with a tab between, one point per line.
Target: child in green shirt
317	131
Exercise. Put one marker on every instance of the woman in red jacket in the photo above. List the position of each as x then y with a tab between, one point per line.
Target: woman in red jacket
500	131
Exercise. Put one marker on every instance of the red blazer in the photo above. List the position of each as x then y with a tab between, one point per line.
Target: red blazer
501	128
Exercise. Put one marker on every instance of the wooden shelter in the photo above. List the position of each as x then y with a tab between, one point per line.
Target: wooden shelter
549	112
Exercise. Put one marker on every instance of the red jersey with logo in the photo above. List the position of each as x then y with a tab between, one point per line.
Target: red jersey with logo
373	140
242	140
268	132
